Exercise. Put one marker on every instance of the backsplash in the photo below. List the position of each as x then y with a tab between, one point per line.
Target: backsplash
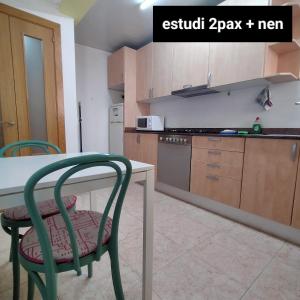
239	109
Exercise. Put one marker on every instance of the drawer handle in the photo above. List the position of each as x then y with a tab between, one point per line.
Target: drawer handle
294	152
211	177
214	152
214	139
214	166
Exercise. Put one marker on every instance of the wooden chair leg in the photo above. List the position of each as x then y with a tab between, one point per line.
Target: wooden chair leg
115	272
15	263
90	270
30	292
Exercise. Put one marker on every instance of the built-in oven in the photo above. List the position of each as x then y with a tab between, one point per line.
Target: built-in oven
174	160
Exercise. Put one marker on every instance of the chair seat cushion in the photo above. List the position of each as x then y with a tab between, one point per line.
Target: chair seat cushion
47	208
86	226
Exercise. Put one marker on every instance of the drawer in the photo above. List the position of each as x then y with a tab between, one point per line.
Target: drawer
217	169
222	189
219	143
213	156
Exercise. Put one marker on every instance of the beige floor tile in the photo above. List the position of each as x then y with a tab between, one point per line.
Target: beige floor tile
190	279
290	255
255	239
8	294
240	262
208	219
183	231
164	251
278	281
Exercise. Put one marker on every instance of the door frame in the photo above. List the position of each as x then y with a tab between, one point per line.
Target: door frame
55	27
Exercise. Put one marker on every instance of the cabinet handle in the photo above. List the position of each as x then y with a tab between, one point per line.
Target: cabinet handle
211	177
209	79
214	166
187	86
8	123
214	152
294	152
150	93
138	139
215	139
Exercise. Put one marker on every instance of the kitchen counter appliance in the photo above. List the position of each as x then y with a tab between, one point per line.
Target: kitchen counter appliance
174	160
150	123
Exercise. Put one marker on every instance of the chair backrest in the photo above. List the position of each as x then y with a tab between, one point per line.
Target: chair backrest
14	148
74	165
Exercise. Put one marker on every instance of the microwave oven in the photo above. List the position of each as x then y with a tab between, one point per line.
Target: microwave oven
151	123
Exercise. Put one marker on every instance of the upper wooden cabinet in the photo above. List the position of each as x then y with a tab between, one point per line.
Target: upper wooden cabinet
144	71
115	66
269	177
162	69
234	62
190	65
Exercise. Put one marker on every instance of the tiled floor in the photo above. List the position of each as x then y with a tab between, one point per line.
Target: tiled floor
197	255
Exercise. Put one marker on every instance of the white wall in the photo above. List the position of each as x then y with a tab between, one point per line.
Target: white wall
237	110
49	11
94	96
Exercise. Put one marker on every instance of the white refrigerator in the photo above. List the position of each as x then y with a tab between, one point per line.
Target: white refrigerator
116	130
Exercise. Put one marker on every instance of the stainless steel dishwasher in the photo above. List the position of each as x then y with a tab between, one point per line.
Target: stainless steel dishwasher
174	160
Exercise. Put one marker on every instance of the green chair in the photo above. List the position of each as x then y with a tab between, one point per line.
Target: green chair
71	240
13	219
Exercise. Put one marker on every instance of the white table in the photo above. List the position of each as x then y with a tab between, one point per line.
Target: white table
15	171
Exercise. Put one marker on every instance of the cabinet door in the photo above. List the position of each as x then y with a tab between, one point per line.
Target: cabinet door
269	177
235	62
144	72
190	65
131	146
149	144
296	208
162	69
115	68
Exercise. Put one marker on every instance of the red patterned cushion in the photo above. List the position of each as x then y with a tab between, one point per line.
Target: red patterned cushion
85	224
47	208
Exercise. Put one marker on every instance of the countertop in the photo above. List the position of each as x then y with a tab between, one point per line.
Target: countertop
271	133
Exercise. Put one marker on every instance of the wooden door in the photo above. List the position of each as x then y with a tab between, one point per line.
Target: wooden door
115	65
8	114
296	208
235	62
190	65
144	71
162	69
25	34
269	177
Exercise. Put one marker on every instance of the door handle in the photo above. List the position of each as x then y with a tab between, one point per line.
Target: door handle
187	86
138	139
216	166
294	152
214	139
209	75
8	123
214	152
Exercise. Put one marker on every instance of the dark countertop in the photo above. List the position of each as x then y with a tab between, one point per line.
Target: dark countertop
270	133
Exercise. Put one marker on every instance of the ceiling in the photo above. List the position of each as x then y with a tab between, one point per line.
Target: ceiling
111	24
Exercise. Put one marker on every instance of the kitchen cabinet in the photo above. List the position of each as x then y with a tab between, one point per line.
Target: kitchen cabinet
141	147
115	69
216	168
190	65
235	62
296	208
144	71
162	69
269	177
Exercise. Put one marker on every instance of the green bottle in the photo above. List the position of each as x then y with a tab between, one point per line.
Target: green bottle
257	129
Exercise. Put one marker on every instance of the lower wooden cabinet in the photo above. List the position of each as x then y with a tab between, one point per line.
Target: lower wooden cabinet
141	147
269	178
216	168
296	208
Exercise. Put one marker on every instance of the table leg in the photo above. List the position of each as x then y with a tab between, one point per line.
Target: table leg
148	235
